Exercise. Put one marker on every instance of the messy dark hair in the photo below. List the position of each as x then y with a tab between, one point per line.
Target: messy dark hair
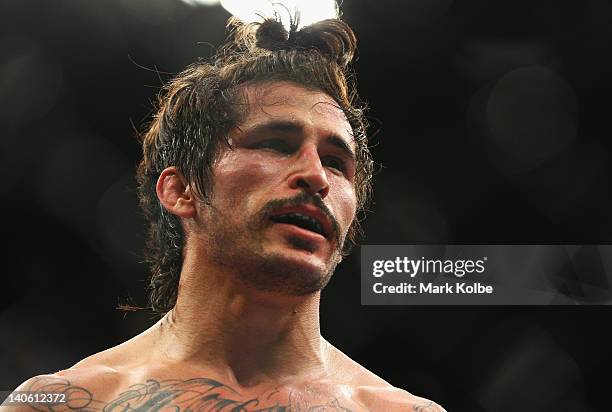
197	109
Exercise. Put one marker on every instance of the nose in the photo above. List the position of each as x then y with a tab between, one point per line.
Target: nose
309	174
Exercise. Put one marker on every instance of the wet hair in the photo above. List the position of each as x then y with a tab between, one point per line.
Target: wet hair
198	108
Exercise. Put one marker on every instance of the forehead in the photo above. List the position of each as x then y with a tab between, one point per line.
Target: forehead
292	102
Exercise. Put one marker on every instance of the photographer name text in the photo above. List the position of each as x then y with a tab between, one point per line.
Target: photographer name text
475	288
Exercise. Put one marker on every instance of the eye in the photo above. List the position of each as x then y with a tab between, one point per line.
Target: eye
334	163
278	145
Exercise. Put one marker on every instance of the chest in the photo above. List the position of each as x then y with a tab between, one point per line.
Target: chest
204	394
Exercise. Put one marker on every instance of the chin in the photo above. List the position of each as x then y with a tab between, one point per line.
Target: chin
294	272
312	256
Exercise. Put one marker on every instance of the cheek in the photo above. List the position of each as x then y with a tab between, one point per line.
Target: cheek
236	175
345	203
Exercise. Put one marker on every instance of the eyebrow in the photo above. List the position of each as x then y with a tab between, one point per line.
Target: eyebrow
293	127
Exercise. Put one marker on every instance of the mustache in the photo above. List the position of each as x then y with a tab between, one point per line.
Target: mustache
303	199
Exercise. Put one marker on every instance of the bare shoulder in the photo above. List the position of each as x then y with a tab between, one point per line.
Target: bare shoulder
393	399
80	386
376	394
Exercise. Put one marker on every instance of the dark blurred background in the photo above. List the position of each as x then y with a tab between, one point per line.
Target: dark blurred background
494	121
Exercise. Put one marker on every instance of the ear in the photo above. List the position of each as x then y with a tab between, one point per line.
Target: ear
174	193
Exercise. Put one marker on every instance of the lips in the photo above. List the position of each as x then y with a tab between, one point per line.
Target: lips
308	218
303	221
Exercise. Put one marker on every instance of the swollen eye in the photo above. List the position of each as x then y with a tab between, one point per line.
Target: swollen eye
335	163
278	145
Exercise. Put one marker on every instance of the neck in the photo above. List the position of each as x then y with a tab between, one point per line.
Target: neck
247	335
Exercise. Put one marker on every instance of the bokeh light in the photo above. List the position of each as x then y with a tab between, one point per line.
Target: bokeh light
30	80
532	115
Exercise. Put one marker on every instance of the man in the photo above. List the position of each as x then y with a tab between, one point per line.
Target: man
253	173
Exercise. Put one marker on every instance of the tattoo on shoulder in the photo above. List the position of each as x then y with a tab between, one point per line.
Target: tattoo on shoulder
427	406
190	395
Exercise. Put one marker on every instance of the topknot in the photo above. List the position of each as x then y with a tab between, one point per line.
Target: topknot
333	38
271	35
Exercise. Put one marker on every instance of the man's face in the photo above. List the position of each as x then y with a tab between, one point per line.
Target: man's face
283	196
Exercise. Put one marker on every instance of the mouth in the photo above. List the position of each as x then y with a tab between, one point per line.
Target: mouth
301	220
